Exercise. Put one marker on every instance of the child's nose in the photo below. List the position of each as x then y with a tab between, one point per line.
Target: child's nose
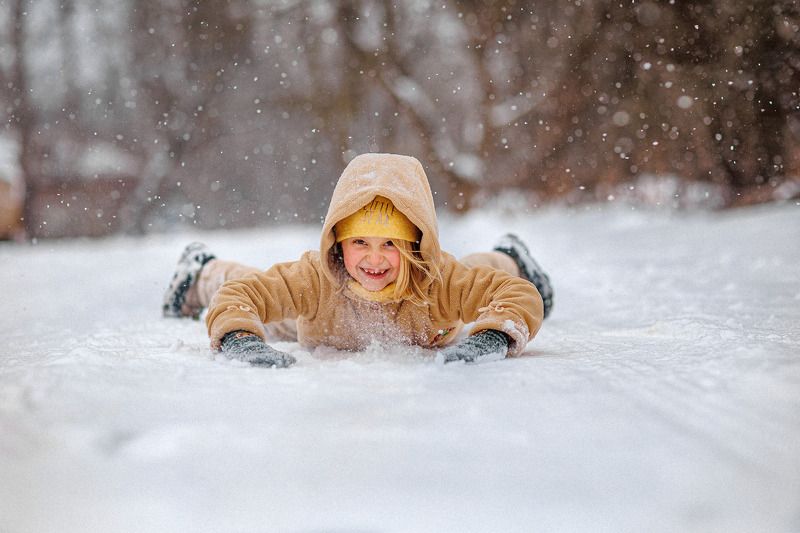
374	257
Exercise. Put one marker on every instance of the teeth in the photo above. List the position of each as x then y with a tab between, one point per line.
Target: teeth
373	272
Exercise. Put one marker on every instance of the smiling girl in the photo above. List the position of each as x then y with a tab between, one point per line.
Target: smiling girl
379	276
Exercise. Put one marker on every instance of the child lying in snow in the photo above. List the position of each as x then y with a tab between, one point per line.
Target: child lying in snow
379	275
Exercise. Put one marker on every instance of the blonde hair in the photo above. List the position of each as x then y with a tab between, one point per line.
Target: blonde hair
413	273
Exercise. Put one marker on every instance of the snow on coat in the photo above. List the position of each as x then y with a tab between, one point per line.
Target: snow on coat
313	290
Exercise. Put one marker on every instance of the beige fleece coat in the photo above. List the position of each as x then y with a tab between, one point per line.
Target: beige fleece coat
313	290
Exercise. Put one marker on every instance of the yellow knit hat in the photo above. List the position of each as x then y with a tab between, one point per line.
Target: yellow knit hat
379	218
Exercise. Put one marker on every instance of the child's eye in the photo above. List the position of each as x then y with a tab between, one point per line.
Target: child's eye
389	244
359	242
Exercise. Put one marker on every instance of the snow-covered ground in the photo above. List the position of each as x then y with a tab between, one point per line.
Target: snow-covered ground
663	394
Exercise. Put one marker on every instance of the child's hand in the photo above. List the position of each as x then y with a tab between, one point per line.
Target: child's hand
487	345
245	346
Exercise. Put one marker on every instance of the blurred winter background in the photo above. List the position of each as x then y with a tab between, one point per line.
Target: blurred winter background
648	150
150	115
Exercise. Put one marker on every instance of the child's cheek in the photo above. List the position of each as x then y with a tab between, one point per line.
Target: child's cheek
350	259
393	258
350	265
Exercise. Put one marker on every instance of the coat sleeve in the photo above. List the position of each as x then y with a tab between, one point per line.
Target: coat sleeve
285	291
492	299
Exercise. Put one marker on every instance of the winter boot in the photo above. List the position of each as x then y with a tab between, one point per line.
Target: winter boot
512	246
187	271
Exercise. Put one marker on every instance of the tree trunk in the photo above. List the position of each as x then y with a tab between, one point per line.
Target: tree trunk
22	118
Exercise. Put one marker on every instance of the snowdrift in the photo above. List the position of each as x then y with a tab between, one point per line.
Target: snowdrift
663	394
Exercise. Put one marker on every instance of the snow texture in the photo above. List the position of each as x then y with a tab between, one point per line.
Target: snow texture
663	394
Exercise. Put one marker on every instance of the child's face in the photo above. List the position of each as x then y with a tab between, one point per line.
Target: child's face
374	262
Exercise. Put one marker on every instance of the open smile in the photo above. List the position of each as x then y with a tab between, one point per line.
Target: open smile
375	273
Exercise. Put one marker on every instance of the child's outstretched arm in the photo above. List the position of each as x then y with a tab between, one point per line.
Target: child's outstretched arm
285	291
507	306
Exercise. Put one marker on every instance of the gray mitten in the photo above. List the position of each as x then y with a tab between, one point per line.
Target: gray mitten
247	347
486	345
